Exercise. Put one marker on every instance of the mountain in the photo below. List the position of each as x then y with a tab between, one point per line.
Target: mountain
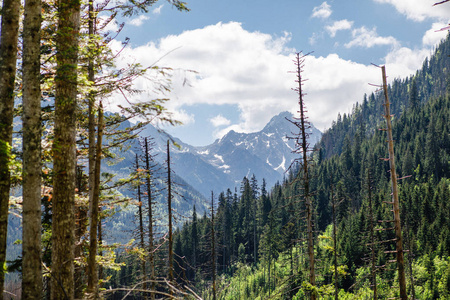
224	163
348	169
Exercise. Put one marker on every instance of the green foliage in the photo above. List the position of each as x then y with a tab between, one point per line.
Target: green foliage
260	235
348	149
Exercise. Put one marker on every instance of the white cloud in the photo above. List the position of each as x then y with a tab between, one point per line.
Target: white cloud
313	39
367	38
339	25
182	116
322	11
419	10
157	10
250	70
434	35
219	120
139	20
403	61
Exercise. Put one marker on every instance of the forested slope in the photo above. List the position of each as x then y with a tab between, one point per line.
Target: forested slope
259	235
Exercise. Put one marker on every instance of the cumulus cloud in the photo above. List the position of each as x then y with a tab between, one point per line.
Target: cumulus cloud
219	120
139	20
339	25
322	11
419	10
184	117
435	34
368	38
405	61
251	71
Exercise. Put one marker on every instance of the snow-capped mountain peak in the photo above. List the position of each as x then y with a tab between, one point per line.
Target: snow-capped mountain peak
224	163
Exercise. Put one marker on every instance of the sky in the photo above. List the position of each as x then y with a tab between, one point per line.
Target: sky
232	61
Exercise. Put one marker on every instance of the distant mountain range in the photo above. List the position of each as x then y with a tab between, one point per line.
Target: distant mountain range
224	163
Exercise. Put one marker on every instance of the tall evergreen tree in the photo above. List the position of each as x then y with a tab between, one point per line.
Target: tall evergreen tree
64	147
32	166
414	100
194	239
8	56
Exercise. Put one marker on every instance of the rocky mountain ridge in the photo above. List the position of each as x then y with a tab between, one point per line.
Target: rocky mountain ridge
224	163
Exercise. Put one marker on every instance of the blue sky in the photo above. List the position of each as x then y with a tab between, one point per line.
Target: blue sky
242	53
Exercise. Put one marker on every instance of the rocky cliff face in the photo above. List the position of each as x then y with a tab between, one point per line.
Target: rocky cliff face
223	164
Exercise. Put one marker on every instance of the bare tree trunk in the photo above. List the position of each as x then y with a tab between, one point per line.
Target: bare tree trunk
93	228
302	142
213	247
64	150
169	203
372	240
333	203
151	249
100	244
91	115
80	229
8	56
397	223
32	284
141	226
411	258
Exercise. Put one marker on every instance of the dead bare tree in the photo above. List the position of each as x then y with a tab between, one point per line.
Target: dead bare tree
169	209
372	239
334	204
213	248
302	148
151	247
395	200
141	223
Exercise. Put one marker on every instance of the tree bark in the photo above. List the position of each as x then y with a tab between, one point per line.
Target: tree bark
32	284
8	56
93	228
372	240
169	209
150	222
303	143
141	227
213	248
397	223
333	203
64	150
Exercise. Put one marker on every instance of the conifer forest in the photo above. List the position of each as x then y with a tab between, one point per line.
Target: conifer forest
362	214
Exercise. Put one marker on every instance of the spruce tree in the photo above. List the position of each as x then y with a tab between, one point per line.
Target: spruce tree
8	56
64	150
32	285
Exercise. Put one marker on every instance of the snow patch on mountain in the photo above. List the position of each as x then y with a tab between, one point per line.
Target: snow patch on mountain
223	164
220	158
206	152
282	166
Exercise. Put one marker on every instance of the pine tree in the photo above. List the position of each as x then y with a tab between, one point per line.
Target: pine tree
32	166
194	240
94	213
414	100
8	56
64	150
151	247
